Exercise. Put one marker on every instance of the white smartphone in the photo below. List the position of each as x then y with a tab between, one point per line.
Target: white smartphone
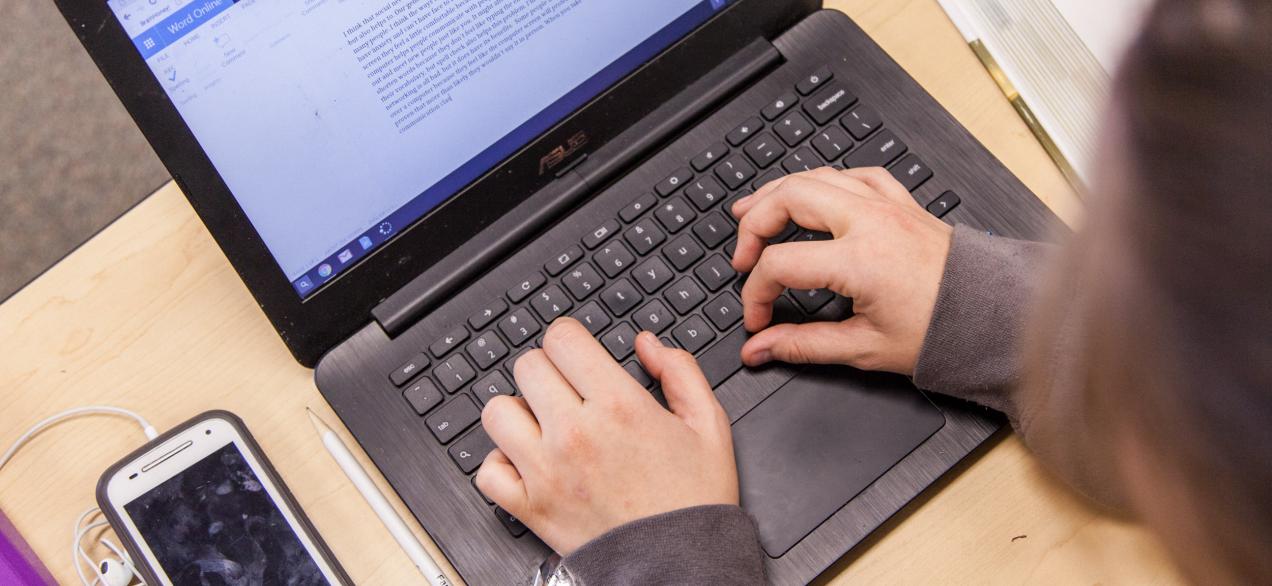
201	505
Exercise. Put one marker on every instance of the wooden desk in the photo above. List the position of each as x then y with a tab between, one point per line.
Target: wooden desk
148	315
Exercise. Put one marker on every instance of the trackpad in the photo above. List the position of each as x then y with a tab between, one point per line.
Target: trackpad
818	441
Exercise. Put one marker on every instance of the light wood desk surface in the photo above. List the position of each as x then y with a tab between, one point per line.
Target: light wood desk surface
149	315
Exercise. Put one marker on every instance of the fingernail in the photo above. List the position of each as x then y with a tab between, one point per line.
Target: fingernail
763	356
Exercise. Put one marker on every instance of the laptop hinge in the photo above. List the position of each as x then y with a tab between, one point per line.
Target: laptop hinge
591	172
679	114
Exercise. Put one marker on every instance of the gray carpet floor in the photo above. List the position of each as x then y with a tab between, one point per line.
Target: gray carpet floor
71	160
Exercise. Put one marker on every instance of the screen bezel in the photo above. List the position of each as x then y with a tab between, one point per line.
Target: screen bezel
137	476
311	326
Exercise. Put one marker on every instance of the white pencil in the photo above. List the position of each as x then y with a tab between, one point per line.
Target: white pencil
392	521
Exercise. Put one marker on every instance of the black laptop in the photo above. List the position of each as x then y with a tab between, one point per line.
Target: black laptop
413	189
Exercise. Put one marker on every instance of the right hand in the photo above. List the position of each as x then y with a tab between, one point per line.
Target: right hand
887	254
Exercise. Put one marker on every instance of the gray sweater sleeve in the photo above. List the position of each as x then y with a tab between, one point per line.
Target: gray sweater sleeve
715	544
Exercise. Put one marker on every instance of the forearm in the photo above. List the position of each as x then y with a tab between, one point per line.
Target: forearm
716	544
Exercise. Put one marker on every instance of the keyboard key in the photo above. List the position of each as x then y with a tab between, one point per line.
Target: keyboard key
652	275
409	369
593	318
704	193
724	358
653	317
563	261
810	236
779	106
715	273
677	180
620	341
832	143
446	343
638	207
621	297
644	236
793	129
519	326
811	300
713	229
583	281
637	372
453	418
764	150
942	205
471	450
911	172
486	350
685	295
786	312
515	528
597	237
862	122
683	252
423	396
454	372
490	313
801	160
551	303
735	171
693	335
723	311
674	214
744	132
491	386
814	80
829	102
884	148
768	177
707	158
787	233
614	258
523	289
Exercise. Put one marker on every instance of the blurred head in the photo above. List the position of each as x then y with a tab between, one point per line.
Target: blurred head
1175	272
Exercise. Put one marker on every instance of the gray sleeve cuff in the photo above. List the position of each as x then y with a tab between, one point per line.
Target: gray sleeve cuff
713	544
973	345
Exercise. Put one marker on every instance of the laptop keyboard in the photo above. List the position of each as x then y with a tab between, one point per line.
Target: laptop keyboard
661	264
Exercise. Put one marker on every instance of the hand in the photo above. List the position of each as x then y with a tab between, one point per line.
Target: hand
887	254
588	448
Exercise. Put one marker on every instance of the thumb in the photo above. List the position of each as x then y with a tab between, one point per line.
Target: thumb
847	342
688	394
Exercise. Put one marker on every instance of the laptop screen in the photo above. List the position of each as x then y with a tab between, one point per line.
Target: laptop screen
338	123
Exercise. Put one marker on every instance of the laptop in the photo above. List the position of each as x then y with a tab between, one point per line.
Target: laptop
413	189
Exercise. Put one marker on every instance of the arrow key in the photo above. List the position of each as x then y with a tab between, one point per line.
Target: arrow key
449	342
490	313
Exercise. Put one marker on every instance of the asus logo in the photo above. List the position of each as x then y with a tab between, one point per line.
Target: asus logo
562	153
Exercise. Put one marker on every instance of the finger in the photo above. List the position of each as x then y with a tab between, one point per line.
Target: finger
500	481
688	393
512	426
745	204
793	265
812	343
811	203
587	365
881	182
549	395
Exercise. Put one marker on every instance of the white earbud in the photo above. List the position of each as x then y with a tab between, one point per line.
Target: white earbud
115	572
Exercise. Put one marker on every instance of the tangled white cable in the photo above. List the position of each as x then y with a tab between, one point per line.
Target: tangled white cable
111	572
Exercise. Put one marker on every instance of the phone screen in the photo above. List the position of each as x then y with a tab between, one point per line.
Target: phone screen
215	523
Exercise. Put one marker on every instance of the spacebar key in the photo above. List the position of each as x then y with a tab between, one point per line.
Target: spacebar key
723	359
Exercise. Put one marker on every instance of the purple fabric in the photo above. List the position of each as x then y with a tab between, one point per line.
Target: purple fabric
18	564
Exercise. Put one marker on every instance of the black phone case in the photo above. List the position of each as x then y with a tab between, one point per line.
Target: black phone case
148	573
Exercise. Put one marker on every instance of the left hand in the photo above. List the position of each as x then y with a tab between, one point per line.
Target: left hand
588	448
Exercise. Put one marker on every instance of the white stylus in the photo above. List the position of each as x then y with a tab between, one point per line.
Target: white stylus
392	521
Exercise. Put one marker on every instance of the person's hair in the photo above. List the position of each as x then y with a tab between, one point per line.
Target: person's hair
1177	263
